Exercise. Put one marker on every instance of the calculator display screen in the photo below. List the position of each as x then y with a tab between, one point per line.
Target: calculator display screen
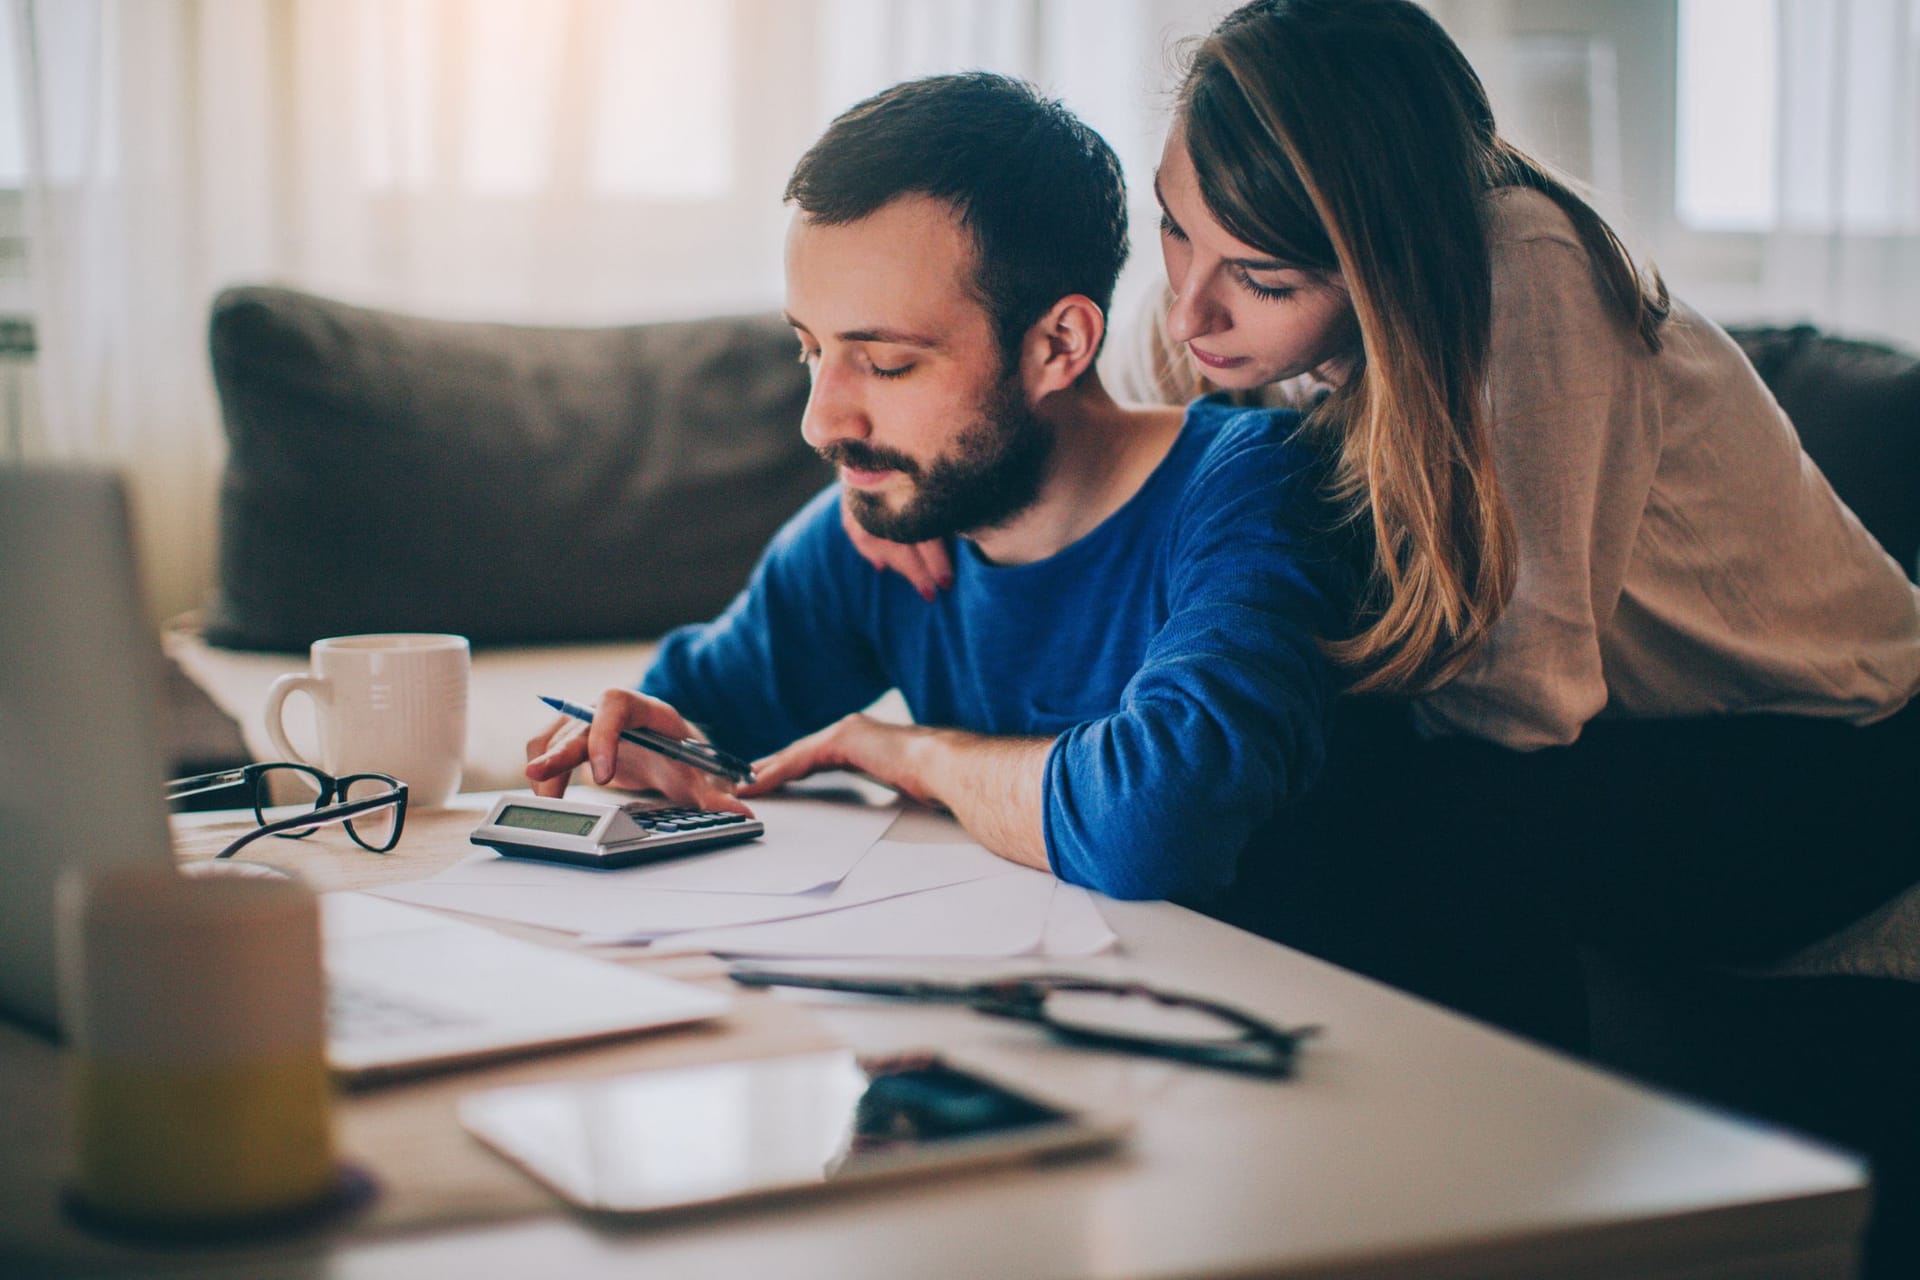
534	819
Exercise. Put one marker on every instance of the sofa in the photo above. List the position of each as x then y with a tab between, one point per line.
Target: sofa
562	496
559	496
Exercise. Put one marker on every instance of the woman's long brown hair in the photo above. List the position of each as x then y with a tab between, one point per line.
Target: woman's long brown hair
1353	136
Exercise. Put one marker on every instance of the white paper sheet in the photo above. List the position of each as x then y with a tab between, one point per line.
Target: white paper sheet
619	906
809	845
1004	915
1075	926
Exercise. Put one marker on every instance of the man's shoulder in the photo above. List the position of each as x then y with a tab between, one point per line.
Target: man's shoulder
813	542
1261	478
815	527
1252	444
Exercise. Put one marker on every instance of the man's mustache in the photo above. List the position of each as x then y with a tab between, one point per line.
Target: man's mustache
864	457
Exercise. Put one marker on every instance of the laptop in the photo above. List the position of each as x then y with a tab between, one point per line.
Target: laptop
81	785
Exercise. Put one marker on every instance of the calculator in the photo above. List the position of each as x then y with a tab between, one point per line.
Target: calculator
606	833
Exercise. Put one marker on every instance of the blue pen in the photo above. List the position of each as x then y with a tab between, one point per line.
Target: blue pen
701	755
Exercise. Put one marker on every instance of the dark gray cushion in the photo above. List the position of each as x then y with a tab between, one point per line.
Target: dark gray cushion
1856	406
197	735
514	484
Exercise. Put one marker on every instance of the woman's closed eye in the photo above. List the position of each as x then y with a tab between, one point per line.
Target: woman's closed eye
1168	227
1264	292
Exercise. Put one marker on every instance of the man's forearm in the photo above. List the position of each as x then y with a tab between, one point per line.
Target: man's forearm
992	785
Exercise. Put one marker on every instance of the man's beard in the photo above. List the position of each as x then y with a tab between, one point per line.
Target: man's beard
996	468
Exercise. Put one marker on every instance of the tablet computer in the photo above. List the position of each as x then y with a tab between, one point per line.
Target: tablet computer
696	1137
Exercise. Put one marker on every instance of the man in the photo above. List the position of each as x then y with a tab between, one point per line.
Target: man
1124	681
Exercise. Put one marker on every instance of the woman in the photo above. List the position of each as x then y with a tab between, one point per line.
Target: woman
1662	679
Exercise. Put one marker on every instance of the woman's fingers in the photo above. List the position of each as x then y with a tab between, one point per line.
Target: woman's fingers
924	564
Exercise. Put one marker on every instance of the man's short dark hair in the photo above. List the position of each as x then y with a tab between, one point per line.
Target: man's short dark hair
1041	193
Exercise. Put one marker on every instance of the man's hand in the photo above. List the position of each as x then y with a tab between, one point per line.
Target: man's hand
992	785
884	752
924	564
555	752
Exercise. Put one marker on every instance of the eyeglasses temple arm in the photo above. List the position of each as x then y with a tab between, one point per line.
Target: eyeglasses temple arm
895	988
181	788
315	818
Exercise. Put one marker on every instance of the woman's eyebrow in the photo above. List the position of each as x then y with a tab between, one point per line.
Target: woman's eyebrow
1245	264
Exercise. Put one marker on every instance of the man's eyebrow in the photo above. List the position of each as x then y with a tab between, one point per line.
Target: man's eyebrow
892	337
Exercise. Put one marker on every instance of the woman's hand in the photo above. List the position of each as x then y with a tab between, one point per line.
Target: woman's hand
924	564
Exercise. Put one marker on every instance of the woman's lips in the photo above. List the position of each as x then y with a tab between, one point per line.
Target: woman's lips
1217	362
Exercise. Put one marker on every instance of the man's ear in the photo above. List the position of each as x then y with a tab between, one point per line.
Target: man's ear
1061	345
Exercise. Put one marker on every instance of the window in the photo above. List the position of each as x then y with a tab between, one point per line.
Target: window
1799	117
473	99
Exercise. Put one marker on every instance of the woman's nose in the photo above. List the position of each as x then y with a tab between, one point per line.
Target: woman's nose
1194	312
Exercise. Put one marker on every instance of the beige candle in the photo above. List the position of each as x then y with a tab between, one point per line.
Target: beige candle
195	1011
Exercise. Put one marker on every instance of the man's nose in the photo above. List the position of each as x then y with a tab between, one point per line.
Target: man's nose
834	411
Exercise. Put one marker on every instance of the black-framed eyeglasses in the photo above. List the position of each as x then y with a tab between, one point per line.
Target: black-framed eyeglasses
1130	1017
371	806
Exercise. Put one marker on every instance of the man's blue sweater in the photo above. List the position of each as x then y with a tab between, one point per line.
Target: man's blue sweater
1172	654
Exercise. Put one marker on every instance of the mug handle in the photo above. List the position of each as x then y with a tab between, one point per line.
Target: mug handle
316	687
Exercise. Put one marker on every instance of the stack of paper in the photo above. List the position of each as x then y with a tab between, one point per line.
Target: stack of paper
828	879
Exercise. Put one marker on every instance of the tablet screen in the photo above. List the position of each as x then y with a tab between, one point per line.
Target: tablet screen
699	1135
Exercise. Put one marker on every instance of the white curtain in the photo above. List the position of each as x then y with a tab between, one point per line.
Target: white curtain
530	160
567	161
1845	246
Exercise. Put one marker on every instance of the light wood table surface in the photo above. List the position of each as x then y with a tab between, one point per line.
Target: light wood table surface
1412	1143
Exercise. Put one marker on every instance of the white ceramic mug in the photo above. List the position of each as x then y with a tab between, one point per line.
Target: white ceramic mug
392	704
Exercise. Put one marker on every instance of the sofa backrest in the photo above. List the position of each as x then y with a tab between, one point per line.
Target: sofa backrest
514	484
529	485
1856	406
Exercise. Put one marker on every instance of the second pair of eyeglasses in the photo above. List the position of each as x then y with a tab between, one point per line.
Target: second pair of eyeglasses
371	806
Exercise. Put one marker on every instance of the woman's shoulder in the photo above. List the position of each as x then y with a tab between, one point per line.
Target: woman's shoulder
1522	215
1534	249
1546	282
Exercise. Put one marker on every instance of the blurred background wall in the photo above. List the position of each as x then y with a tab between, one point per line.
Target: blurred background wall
597	161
